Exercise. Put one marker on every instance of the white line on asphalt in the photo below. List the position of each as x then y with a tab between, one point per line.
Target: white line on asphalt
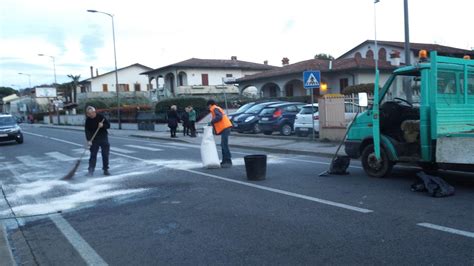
279	191
60	156
143	148
121	150
167	146
447	229
85	250
2	158
28	160
56	139
185	145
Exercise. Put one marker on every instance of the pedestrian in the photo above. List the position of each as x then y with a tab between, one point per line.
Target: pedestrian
173	120
185	119
192	121
222	126
96	121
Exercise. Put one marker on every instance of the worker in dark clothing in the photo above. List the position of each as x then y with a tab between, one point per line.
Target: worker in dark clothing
96	121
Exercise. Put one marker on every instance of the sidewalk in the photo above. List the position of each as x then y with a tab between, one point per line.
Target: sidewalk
276	144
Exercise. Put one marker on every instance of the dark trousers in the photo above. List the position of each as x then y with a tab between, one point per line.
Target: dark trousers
226	156
185	128
105	149
192	127
173	131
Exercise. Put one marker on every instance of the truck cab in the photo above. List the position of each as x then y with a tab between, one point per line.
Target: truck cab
424	115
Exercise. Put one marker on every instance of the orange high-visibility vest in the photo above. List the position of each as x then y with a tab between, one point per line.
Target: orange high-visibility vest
223	123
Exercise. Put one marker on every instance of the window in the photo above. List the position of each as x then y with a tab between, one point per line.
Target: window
446	82
180	80
205	79
291	108
105	88
124	87
149	87
343	83
358	55
369	54
137	87
382	54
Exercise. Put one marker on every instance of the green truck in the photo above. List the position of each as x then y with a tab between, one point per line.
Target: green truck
424	114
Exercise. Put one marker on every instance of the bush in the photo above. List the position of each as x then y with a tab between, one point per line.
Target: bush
198	104
98	104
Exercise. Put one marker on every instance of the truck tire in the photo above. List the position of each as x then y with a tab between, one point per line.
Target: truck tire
371	166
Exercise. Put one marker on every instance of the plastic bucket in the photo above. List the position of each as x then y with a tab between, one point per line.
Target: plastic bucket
256	166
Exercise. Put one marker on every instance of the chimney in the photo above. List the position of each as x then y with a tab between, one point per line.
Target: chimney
285	61
233	58
265	62
92	71
395	58
96	72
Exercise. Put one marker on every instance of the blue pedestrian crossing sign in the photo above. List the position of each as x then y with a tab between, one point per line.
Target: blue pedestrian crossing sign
311	79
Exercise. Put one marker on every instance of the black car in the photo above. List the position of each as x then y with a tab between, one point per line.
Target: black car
241	110
279	117
9	129
248	121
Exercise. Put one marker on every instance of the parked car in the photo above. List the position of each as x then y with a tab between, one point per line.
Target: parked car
241	110
248	121
279	117
9	129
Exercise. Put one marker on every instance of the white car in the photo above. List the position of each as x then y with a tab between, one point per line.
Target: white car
304	120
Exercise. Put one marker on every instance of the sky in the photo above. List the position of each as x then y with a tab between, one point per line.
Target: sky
159	33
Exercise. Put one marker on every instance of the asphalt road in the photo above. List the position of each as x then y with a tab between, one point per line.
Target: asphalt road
160	207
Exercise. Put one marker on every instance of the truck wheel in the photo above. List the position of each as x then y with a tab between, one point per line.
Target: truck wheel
372	166
285	130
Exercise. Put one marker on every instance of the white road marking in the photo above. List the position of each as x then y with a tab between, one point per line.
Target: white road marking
2	158
28	160
185	145
56	139
120	150
143	148
447	229
83	248
167	146
279	191
60	156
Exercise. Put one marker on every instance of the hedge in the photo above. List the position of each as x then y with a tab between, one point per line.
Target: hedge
198	104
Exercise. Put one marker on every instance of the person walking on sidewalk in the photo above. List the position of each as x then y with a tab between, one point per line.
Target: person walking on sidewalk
192	121
96	121
173	120
222	126
185	119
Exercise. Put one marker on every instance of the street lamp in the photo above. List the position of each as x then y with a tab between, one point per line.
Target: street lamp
54	66
29	77
115	58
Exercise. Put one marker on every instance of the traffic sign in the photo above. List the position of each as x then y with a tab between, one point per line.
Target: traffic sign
311	79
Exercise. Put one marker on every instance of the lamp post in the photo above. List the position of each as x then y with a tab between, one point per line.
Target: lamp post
375	106
406	81
29	78
115	58
54	66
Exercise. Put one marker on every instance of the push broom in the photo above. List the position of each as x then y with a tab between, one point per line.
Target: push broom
76	165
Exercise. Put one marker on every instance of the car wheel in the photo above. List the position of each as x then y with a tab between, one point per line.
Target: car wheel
256	128
374	167
286	130
267	132
20	140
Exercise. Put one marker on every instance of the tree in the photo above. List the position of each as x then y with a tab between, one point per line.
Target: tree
5	91
324	56
75	81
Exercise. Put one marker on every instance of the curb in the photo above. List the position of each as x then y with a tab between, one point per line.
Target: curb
5	249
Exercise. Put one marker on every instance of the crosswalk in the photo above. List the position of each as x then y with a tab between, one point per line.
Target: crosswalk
52	157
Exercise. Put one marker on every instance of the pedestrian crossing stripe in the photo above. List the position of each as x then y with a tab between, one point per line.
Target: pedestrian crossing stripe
144	148
28	160
60	156
312	81
115	149
168	146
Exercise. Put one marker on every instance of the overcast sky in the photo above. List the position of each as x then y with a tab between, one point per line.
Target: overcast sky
158	33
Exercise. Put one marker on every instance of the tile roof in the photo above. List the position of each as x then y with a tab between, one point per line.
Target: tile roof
442	49
322	65
214	63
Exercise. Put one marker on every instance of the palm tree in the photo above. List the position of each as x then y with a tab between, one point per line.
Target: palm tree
75	81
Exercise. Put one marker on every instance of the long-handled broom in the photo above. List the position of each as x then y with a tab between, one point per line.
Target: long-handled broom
76	165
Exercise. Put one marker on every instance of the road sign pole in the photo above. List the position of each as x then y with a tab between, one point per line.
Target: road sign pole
312	111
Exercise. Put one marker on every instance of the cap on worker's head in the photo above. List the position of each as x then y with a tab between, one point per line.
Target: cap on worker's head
210	102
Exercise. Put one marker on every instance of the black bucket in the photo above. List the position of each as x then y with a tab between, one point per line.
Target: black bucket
256	166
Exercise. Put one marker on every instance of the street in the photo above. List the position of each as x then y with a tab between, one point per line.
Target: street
160	207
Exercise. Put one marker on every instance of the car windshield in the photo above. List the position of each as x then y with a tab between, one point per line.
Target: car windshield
307	110
255	109
268	111
244	107
7	121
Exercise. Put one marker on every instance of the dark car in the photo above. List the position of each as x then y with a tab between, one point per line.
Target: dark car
241	110
248	121
279	117
9	129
